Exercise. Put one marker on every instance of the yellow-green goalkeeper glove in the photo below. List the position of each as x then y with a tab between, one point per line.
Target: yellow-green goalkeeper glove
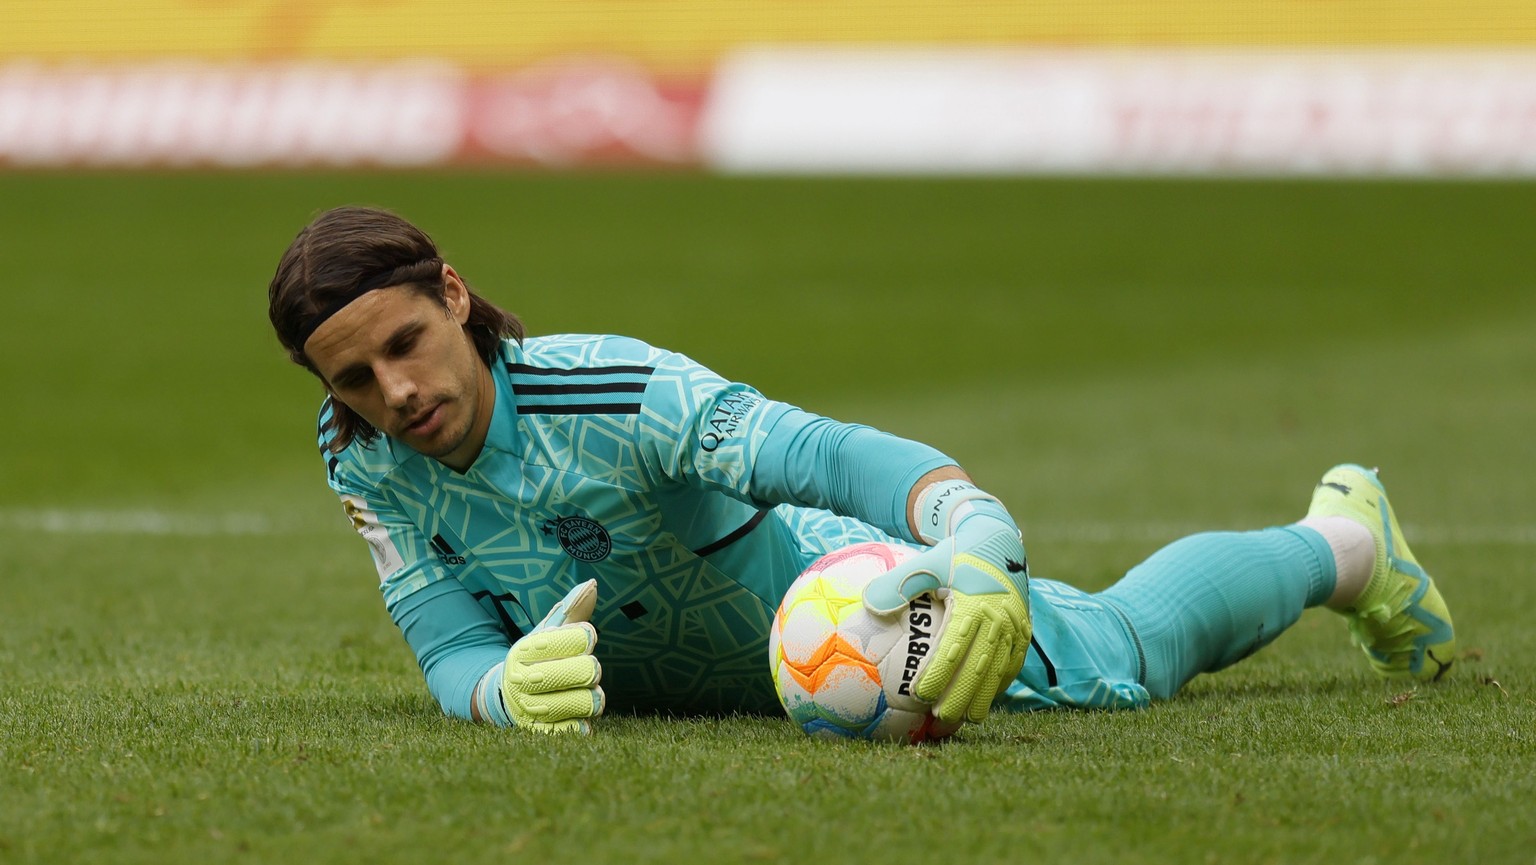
977	567
549	681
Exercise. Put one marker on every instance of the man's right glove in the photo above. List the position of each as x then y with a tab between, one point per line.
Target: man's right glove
549	681
977	567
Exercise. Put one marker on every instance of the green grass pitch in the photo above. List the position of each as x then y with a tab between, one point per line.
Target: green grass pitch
195	665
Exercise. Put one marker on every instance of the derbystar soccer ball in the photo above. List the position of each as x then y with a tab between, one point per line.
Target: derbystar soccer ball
843	673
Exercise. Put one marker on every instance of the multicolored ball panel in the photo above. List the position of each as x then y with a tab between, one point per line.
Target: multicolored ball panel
828	652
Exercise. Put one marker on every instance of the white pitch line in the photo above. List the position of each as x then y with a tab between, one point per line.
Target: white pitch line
144	522
149	521
1108	532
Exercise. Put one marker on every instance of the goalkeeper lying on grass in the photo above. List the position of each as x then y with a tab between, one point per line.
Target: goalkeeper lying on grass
521	496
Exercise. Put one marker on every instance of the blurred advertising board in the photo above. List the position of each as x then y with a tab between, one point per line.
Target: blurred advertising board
1158	112
393	115
1361	87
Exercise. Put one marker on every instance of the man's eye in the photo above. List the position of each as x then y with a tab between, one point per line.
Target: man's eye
404	347
348	382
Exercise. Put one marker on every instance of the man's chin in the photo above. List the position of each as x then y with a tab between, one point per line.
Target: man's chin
441	446
444	441
435	447
436	444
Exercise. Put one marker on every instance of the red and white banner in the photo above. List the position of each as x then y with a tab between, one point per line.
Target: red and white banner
804	110
581	113
397	115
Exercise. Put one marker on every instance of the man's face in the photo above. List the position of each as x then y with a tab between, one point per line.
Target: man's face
404	363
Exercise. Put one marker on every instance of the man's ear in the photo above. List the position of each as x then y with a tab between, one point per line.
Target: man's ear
455	294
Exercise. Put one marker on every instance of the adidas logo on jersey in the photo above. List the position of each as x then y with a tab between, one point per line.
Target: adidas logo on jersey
445	553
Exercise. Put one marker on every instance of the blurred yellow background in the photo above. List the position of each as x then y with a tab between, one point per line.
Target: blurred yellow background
691	35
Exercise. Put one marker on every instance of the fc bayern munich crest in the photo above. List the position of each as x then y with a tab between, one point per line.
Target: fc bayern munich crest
582	539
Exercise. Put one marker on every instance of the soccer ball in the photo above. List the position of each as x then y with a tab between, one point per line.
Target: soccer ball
841	672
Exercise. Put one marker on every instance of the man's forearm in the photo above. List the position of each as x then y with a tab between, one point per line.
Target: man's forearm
455	642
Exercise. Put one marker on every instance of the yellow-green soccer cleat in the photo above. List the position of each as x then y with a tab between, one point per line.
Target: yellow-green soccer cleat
1400	620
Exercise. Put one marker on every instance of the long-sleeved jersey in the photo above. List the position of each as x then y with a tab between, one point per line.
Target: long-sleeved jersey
692	500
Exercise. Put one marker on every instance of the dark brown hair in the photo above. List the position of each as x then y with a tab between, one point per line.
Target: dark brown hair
345	252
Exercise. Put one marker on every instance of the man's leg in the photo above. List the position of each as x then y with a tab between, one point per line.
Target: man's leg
1207	601
1210	600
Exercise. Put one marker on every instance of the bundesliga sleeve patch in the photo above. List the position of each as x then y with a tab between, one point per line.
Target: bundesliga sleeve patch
386	556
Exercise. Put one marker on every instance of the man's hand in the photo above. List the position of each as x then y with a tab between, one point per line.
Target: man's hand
550	680
978	566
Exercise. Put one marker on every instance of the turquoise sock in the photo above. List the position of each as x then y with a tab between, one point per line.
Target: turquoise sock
1207	601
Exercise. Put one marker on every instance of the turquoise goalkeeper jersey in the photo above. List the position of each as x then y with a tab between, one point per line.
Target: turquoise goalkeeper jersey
608	459
686	496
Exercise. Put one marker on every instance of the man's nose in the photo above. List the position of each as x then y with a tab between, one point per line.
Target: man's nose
397	386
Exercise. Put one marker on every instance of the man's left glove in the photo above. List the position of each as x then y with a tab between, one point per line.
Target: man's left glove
977	566
549	682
